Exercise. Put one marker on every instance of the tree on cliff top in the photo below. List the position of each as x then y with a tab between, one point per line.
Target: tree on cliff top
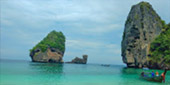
160	47
52	40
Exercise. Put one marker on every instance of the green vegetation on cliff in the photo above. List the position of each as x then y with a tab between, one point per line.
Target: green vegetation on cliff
53	40
160	47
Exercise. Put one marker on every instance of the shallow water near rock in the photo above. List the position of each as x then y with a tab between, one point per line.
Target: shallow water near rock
14	72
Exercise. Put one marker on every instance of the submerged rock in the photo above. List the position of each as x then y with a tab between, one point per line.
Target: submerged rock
142	26
79	60
50	49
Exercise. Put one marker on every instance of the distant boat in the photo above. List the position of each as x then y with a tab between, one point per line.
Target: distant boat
145	76
106	65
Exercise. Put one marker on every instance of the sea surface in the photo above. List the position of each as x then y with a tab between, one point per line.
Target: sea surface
13	72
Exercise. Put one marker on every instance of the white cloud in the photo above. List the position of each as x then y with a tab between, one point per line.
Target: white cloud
93	46
82	43
6	22
97	51
103	29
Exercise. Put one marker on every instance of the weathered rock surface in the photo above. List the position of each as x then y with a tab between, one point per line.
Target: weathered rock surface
51	55
142	26
79	60
50	49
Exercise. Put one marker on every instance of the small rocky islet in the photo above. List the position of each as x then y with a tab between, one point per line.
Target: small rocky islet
50	49
78	60
145	41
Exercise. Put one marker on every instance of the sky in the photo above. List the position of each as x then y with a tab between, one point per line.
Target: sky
92	27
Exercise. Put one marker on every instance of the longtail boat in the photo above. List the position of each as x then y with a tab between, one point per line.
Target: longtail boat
154	79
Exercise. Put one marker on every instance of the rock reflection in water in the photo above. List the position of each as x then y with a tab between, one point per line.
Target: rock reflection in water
131	71
50	68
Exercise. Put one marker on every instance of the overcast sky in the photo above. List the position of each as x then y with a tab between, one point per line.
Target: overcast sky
92	27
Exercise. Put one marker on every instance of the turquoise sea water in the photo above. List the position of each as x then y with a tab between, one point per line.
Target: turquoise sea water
29	73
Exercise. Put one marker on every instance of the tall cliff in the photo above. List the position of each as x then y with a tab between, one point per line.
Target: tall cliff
50	49
142	26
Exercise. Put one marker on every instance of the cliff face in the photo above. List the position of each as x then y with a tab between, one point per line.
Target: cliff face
50	49
142	26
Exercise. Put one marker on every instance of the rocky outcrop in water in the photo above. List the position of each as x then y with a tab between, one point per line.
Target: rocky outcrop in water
142	26
50	49
79	60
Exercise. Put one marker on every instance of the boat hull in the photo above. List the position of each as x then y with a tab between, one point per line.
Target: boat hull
155	79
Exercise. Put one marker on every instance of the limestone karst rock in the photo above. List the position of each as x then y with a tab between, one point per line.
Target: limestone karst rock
50	49
142	26
78	60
